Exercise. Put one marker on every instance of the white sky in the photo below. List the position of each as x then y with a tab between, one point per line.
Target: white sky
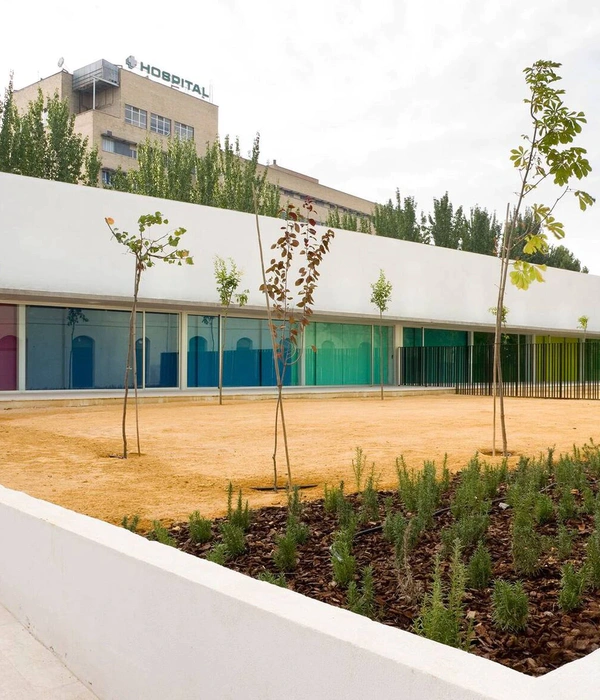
366	95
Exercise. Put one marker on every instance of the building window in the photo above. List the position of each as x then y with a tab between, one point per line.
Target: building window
106	177
184	132
160	125
135	116
118	147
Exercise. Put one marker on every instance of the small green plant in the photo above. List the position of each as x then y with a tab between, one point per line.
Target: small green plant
369	509
543	509
241	514
469	530
296	529
589	504
592	561
572	587
564	541
130	524
479	568
342	561
333	497
200	528
285	555
218	554
159	533
443	620
359	464
295	505
394	529
510	605
567	507
234	539
269	577
362	601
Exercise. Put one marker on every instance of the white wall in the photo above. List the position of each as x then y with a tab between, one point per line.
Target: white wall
54	239
136	619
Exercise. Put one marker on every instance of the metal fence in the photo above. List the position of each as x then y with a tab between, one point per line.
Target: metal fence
550	370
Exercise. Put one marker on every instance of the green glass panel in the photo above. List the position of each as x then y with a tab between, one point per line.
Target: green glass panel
344	354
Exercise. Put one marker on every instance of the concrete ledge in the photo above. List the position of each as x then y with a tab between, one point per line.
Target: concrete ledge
68	399
136	619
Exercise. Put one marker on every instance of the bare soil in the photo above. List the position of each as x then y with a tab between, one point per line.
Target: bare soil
191	451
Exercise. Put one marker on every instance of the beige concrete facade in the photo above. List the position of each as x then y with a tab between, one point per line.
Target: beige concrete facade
104	123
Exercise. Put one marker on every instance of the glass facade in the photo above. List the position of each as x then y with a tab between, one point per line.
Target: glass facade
72	348
86	348
346	353
8	347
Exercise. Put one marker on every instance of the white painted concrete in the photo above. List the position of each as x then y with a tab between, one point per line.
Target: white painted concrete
29	671
55	242
136	619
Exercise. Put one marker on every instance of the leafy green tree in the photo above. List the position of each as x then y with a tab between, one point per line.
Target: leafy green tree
228	278
381	294
147	252
552	256
547	152
481	233
348	221
399	220
42	142
446	226
219	178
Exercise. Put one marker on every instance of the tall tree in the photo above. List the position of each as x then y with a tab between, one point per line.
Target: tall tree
42	142
398	219
446	227
482	232
547	153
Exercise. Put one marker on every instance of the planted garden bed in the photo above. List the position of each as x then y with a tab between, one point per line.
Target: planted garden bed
503	564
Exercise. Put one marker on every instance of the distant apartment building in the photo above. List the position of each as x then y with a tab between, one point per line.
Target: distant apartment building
117	108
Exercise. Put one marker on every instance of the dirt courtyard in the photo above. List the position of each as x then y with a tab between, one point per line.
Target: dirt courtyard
191	450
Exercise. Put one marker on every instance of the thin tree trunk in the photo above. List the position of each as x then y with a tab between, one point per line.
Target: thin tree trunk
135	383
278	378
222	329
127	369
381	353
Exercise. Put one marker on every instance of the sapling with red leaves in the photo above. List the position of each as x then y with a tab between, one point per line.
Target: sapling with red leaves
289	292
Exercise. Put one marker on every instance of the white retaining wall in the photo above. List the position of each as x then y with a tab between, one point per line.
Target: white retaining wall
136	619
54	241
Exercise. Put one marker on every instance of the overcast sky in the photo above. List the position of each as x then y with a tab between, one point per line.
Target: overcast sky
366	96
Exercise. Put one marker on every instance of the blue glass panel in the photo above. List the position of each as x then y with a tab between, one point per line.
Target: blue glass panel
203	351
72	348
162	350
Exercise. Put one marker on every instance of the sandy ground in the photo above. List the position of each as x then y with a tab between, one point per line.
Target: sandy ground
191	451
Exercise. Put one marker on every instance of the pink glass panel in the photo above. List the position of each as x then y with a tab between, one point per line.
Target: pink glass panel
8	347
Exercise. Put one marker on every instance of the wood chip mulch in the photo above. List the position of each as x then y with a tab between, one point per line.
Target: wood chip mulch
552	638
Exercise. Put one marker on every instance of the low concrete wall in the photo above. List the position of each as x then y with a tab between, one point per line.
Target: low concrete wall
136	619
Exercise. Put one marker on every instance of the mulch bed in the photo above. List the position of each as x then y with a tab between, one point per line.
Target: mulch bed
551	639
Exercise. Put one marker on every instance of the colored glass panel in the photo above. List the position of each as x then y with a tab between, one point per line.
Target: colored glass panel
72	348
8	347
203	351
346	354
162	350
248	355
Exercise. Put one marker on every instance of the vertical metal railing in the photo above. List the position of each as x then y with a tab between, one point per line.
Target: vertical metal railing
562	370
